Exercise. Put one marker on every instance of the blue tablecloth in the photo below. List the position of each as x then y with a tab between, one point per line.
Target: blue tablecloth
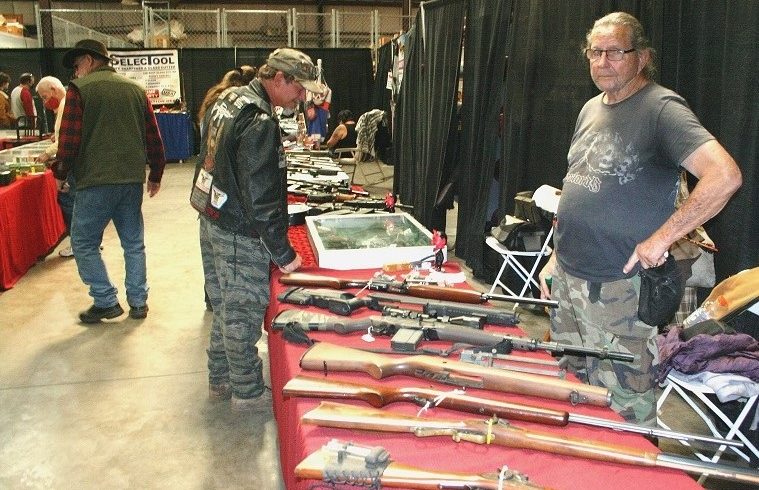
176	132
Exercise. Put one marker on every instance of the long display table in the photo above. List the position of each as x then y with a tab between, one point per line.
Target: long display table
30	224
298	440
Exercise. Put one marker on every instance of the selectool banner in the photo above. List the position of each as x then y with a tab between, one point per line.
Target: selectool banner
156	70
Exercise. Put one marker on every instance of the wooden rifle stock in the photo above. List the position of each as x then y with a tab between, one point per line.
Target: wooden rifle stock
379	396
324	356
329	414
395	475
438	293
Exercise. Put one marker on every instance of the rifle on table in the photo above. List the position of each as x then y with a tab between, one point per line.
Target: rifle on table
370	467
399	287
494	431
437	309
379	396
326	357
434	329
344	303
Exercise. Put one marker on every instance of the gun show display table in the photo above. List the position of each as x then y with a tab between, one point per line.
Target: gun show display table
30	224
439	452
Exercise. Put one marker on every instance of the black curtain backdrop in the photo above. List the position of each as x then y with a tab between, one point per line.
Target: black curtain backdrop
429	104
484	70
710	57
381	94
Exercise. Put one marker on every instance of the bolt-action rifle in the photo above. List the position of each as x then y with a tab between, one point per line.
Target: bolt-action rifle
495	431
398	287
435	329
371	467
379	396
326	357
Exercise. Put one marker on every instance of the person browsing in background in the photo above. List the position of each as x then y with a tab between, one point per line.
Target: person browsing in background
240	190
108	133
233	78
617	209
6	116
22	102
344	135
53	94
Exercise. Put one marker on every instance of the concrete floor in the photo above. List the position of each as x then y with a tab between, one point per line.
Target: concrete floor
124	404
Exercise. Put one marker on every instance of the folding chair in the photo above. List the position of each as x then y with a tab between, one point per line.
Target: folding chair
26	132
694	394
546	198
347	161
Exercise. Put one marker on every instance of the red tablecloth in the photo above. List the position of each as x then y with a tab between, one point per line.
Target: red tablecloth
297	440
30	224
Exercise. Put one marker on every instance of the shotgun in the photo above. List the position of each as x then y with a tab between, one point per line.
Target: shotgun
435	329
379	396
495	431
371	467
419	290
326	357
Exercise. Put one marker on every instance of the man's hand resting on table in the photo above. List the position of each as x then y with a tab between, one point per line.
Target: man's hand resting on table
292	266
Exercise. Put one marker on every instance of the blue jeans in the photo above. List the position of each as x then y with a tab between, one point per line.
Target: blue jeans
94	208
66	202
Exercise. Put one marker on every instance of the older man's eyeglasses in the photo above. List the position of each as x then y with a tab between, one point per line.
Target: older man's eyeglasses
611	54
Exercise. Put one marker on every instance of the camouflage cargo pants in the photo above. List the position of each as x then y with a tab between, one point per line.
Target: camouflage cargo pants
609	322
236	270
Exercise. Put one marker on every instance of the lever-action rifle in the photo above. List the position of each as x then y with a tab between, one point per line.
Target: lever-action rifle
435	329
495	431
326	357
418	290
379	396
371	467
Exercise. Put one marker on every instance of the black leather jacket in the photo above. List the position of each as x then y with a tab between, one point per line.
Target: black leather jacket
242	150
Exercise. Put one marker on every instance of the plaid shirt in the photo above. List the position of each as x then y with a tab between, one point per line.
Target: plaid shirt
70	135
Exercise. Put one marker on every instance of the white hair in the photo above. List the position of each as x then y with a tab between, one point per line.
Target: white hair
50	82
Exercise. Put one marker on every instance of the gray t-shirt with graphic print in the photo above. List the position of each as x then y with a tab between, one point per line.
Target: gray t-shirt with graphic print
621	184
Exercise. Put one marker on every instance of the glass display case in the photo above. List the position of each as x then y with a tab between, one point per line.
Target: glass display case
367	241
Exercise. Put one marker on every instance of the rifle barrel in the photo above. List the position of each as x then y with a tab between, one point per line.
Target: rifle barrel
324	356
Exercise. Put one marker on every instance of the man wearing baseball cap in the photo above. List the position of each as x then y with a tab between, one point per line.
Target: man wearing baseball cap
108	133
240	190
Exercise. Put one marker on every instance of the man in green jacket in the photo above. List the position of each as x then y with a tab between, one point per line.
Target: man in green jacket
108	134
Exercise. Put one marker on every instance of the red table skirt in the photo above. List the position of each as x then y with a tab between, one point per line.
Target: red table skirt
30	224
441	453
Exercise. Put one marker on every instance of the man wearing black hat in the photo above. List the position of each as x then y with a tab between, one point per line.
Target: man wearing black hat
240	190
108	134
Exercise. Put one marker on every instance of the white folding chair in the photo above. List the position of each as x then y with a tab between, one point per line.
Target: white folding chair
346	158
694	394
546	198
